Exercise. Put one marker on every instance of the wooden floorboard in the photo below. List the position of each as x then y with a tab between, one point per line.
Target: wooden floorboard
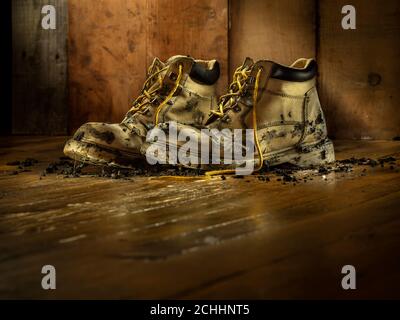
152	237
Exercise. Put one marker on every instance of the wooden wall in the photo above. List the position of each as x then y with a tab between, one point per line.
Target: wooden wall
359	69
279	30
111	43
6	69
39	77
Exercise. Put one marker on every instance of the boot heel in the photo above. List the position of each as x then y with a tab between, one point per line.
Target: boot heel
319	154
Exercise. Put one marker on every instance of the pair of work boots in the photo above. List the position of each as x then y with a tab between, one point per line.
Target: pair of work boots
278	103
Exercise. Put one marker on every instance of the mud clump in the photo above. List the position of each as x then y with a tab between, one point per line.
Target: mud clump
285	173
263	178
360	161
13	163
323	170
64	167
390	160
28	162
347	165
368	161
23	166
148	171
106	136
288	173
286	176
72	169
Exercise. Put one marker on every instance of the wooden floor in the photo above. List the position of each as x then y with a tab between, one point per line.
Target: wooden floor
199	238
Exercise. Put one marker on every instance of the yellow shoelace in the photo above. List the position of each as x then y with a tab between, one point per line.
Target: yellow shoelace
240	76
257	142
177	82
154	71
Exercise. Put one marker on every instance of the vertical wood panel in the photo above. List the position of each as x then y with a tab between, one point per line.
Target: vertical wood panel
189	27
279	30
359	69
106	58
111	43
39	69
6	70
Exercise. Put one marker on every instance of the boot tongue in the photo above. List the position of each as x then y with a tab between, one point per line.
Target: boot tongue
248	62
168	75
171	70
169	62
168	65
174	59
172	64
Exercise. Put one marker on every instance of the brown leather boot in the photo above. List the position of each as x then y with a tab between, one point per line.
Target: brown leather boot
280	105
181	89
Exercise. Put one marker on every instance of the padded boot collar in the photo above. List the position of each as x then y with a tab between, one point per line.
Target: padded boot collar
200	73
286	73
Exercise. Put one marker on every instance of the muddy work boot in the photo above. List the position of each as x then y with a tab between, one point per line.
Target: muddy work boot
277	104
181	89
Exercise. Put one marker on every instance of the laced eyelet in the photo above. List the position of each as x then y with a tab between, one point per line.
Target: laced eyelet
129	114
227	119
237	109
145	111
173	76
178	91
171	93
244	90
154	100
251	80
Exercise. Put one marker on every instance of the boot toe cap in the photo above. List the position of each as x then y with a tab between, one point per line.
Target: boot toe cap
113	136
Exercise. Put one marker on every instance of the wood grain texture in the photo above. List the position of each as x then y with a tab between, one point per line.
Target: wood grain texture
203	238
189	27
107	50
359	85
39	79
278	30
112	42
6	69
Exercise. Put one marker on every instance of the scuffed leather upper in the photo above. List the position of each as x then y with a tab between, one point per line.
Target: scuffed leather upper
288	112
191	105
114	136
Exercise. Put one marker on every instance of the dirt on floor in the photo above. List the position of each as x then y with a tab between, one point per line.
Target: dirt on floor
281	232
285	173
